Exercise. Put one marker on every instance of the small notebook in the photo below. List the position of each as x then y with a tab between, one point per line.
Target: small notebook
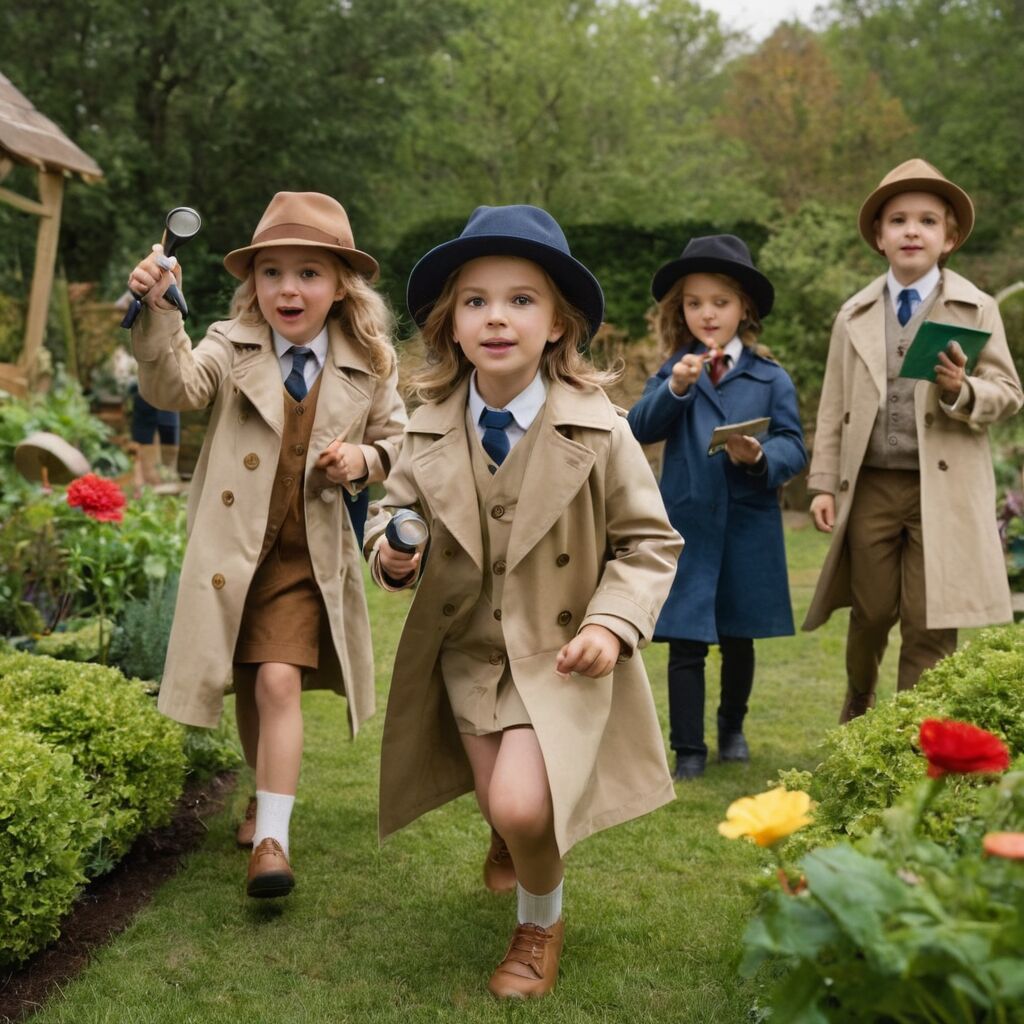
932	338
749	427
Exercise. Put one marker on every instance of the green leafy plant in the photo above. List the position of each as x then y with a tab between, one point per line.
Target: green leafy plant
871	762
47	825
139	646
129	753
898	927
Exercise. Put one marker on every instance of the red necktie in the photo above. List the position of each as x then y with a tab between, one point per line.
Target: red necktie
717	366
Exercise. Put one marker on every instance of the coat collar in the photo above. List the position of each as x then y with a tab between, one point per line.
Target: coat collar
256	370
557	468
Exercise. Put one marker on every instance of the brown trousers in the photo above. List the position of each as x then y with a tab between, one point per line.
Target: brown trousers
887	584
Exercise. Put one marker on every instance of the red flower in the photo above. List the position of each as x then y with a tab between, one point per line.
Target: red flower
99	499
961	748
1004	844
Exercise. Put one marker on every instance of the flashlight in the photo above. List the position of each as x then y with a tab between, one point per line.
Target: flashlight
406	531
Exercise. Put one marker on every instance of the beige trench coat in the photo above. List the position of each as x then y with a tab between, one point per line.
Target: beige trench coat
236	369
965	575
590	537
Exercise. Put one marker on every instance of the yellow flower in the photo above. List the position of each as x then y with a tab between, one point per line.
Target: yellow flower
767	817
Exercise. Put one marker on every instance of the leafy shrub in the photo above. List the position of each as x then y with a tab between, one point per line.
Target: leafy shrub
140	642
130	755
874	759
46	827
211	751
897	927
80	640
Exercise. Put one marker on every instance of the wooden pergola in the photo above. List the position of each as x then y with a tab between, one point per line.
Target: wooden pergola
28	137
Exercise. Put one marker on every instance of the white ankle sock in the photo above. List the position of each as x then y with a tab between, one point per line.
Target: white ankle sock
540	910
273	812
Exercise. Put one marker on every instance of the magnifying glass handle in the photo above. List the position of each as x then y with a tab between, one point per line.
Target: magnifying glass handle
173	294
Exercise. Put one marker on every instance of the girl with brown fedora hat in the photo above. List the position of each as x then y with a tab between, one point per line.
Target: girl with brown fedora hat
731	584
301	384
517	674
901	471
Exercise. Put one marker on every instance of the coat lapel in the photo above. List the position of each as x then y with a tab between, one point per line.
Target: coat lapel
342	401
557	469
866	326
443	468
256	372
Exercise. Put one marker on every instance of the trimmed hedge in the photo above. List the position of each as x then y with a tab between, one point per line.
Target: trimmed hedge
47	826
130	755
870	762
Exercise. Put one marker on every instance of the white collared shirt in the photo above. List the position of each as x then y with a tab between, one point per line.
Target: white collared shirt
733	349
924	286
524	408
318	346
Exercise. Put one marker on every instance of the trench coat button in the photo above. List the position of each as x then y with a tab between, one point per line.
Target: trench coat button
845	485
498	511
499	567
299	410
562	559
496	658
218	581
846	418
299	449
892	441
448	609
497	614
329	494
242	417
251	461
564	618
943	465
227	497
287	480
929	419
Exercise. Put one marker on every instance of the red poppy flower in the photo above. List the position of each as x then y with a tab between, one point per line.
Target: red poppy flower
99	499
1009	845
961	748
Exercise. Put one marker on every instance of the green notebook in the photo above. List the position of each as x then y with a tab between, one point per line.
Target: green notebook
932	338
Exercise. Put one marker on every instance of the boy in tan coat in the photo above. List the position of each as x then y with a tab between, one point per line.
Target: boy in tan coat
901	469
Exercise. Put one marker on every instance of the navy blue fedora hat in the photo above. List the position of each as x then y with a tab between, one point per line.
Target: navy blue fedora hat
717	254
524	231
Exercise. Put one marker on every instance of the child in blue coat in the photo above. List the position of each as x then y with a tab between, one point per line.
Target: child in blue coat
731	584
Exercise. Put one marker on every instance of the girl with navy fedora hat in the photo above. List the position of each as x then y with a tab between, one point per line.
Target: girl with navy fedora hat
731	584
549	556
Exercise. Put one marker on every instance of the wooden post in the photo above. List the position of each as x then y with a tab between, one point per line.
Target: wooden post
51	191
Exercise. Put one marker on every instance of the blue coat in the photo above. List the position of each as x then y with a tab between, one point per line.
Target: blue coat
731	577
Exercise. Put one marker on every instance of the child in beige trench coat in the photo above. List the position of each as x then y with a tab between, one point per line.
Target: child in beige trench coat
518	673
302	384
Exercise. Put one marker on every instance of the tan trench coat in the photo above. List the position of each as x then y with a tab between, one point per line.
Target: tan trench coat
235	368
590	537
965	575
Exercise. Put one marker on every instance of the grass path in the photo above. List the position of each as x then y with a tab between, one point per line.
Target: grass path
655	909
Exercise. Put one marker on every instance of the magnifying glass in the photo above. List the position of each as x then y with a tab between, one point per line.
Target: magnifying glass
406	531
182	224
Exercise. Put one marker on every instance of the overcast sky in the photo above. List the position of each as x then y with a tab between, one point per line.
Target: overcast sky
759	17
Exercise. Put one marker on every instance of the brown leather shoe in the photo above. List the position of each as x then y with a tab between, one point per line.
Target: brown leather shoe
499	871
530	967
247	826
270	874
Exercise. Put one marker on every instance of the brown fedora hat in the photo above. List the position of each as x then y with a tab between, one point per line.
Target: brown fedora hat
916	176
303	218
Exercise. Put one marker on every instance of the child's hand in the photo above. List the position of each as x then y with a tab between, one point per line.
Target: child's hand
397	564
342	462
686	372
823	509
153	276
949	374
593	652
743	450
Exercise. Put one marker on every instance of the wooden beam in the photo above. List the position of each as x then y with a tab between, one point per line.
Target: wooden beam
51	191
20	202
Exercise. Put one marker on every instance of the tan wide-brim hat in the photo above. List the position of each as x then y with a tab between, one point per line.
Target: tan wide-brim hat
303	218
43	450
916	176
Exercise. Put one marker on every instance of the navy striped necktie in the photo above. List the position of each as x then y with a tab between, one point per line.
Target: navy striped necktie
295	382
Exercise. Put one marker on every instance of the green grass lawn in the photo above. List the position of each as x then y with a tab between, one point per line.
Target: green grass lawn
655	909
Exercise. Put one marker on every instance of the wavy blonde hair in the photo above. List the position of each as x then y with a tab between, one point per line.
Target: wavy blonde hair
446	363
669	320
363	314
